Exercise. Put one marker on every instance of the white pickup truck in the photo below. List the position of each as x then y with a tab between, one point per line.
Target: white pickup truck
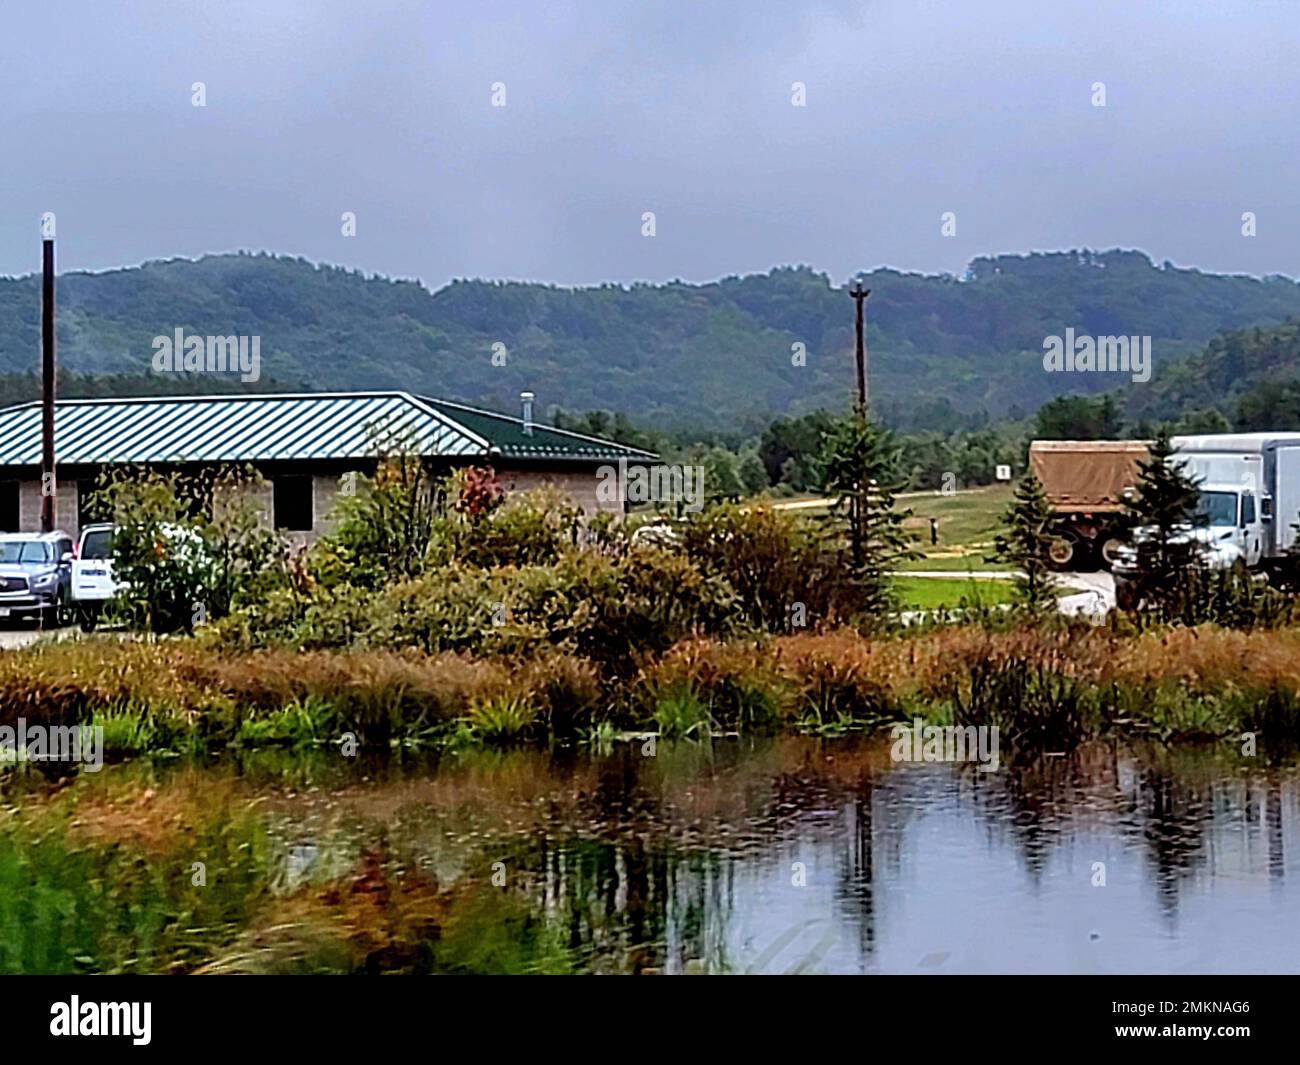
93	584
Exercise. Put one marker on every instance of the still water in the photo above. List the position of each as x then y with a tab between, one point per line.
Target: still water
787	855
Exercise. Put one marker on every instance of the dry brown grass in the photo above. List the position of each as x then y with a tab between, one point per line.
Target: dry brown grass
837	670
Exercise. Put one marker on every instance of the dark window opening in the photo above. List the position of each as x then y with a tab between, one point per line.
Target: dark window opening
97	545
293	503
10	515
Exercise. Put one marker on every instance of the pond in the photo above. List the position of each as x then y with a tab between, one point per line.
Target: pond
785	855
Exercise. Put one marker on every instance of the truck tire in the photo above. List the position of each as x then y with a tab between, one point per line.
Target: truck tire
1107	546
56	616
1065	551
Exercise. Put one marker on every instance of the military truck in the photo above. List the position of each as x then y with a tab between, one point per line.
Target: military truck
1087	483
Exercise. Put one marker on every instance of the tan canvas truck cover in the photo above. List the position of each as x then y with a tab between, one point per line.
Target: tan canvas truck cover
1088	476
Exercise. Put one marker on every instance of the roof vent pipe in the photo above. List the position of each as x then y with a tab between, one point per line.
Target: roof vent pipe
527	399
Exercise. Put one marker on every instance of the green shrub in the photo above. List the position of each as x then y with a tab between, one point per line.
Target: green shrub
528	529
786	572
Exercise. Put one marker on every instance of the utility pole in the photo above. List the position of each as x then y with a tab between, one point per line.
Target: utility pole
49	499
860	295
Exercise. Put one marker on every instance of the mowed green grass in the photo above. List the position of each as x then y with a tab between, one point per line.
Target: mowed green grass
934	593
968	522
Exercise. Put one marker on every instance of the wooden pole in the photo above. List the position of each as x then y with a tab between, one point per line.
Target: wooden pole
860	295
49	384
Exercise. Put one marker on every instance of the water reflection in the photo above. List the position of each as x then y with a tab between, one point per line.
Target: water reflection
788	855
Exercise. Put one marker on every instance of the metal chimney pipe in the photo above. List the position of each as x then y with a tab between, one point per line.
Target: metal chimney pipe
49	385
527	399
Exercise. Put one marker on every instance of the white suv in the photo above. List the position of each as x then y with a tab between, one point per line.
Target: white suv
93	584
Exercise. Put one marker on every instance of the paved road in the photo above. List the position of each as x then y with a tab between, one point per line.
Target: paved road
1095	598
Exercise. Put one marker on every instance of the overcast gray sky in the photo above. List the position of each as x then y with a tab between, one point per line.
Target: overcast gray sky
680	107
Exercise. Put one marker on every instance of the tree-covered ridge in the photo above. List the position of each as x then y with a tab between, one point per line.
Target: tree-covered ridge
678	353
1246	379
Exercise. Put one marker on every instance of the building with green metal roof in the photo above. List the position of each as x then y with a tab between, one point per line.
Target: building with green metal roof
302	443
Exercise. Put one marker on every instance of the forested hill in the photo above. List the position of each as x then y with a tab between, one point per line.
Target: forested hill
682	353
1250	377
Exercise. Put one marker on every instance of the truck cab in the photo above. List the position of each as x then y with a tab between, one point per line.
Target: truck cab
1233	526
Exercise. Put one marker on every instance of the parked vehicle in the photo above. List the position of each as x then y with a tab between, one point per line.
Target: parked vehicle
93	583
36	576
1249	487
1087	483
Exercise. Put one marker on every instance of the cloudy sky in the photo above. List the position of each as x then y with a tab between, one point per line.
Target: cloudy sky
681	107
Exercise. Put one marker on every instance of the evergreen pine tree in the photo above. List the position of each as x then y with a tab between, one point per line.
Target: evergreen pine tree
861	468
1024	543
1165	510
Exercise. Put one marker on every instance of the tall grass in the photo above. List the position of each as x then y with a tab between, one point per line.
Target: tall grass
1045	687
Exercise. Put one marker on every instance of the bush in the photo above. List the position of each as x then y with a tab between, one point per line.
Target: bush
189	549
528	529
776	563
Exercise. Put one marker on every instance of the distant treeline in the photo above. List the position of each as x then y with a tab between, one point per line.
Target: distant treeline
736	352
1243	380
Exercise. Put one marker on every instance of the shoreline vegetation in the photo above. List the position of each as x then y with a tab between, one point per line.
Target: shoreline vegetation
1047	690
443	612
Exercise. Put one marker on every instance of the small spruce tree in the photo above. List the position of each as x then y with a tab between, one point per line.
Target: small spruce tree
1024	544
1165	509
861	468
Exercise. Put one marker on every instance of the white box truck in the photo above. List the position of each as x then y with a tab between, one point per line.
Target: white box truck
1250	494
1249	485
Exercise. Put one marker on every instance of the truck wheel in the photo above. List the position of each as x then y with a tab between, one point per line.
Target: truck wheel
56	617
1108	550
1064	551
89	617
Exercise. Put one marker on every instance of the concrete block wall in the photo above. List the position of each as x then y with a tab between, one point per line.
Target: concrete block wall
325	493
29	507
579	486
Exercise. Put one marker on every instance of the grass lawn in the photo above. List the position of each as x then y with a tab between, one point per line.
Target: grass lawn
932	593
968	522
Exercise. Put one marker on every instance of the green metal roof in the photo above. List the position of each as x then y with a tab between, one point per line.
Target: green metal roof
507	434
275	427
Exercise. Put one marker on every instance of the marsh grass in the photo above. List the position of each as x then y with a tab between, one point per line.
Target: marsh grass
680	712
502	718
1047	686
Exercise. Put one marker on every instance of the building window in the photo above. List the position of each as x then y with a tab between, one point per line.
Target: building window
293	503
10	515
